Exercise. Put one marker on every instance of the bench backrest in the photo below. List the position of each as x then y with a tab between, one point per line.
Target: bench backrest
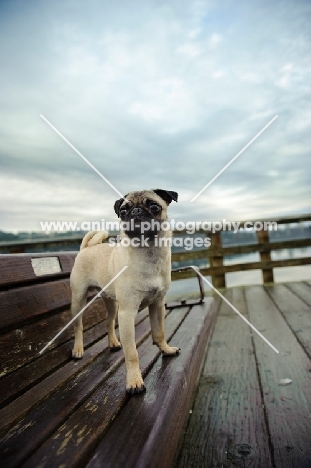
32	285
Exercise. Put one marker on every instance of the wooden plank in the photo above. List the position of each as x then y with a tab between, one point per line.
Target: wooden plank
243	267
16	383
26	341
81	432
296	313
227	425
256	266
44	389
25	304
146	424
283	220
18	269
288	408
301	290
261	247
21	304
36	244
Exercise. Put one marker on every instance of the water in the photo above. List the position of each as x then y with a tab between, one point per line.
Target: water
188	287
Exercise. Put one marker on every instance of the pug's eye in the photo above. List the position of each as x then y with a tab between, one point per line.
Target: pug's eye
154	208
123	211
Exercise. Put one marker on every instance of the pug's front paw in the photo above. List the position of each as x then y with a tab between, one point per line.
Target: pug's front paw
78	351
135	383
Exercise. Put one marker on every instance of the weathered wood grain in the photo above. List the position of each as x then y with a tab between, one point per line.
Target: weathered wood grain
32	370
288	408
301	290
73	441
44	389
22	345
48	416
227	425
21	304
296	312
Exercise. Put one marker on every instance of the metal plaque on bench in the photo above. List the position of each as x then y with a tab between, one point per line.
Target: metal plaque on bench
45	266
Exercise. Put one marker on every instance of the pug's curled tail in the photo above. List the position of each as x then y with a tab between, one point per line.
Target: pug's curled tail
93	238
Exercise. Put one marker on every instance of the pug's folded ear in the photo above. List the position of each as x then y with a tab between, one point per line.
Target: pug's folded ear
117	205
166	195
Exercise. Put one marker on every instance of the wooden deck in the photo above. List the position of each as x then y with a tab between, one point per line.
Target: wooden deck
241	415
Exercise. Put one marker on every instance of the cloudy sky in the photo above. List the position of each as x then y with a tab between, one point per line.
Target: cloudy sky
156	94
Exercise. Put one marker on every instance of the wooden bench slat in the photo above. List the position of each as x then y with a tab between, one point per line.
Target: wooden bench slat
9	315
95	413
17	268
147	431
288	408
25	342
32	369
21	304
228	408
296	312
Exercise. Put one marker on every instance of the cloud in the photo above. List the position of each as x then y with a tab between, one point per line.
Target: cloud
215	39
153	94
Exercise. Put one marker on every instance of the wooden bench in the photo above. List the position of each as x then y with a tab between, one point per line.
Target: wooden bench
55	411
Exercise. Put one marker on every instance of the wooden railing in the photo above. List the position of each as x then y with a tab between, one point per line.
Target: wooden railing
214	254
41	245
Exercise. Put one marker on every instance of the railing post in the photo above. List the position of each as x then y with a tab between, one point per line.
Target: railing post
267	274
219	281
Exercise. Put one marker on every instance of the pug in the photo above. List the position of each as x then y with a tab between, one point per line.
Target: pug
144	247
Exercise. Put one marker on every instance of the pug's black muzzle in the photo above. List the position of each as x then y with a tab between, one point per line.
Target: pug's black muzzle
140	222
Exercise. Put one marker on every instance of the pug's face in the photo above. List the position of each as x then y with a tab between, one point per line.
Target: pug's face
143	212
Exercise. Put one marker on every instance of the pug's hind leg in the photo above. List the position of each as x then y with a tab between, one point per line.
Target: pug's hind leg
156	315
78	301
112	309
